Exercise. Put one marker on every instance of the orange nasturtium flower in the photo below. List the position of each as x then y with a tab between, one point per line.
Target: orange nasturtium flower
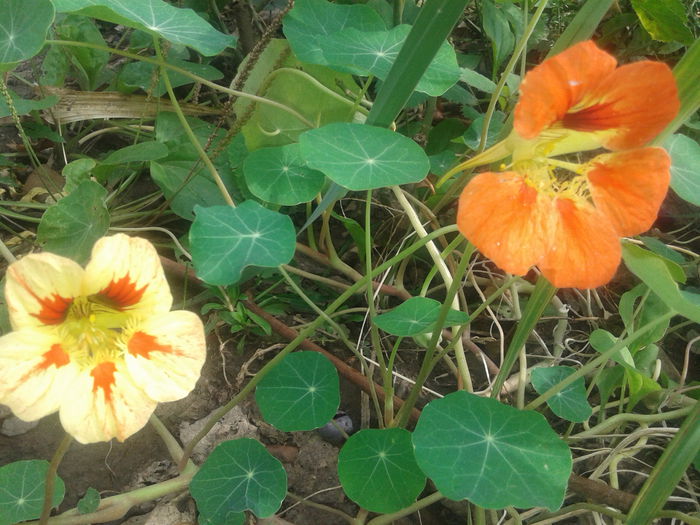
100	344
567	218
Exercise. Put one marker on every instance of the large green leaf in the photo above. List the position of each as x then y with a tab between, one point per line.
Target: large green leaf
312	19
23	27
685	159
301	393
279	175
361	157
225	240
365	53
416	315
490	453
654	271
179	26
239	475
72	225
665	20
571	402
22	490
378	470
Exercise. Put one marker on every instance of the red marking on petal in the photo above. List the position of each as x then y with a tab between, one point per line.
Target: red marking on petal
103	377
122	293
597	117
53	309
143	344
57	357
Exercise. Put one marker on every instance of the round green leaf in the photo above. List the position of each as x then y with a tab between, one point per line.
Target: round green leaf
179	26
280	176
312	19
570	403
225	240
239	475
416	315
365	53
492	454
378	470
22	490
361	157
301	393
72	225
685	159
23	27
89	502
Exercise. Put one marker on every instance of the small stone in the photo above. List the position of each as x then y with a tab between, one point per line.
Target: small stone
14	426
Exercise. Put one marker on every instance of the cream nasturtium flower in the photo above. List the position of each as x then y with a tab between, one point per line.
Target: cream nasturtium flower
100	344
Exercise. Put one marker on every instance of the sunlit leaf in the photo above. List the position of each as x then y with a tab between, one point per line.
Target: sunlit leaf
23	27
685	159
416	315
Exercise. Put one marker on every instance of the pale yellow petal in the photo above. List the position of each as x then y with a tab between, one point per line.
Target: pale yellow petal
35	372
104	403
165	355
40	288
126	272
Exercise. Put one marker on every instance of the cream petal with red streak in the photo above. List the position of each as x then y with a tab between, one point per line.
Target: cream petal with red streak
165	355
89	416
128	270
39	289
33	381
584	251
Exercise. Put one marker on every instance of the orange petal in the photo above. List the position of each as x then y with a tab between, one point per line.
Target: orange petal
506	219
104	403
40	288
550	89
637	100
36	370
165	355
126	273
629	187
585	250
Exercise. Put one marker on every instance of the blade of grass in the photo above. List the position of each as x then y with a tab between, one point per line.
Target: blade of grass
680	451
541	295
582	26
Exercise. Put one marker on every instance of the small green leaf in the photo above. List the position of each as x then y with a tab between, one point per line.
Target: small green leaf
378	470
179	26
312	19
472	137
498	30
602	340
416	315
659	274
570	403
77	172
24	106
490	453
361	157
279	175
374	53
140	152
89	502
225	240
301	393
477	80
664	20
72	225
685	159
23	27
22	490
239	475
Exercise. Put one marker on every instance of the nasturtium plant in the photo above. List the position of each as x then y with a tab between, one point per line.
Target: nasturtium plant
360	157
22	485
415	316
300	393
685	156
570	403
378	470
225	240
239	475
492	454
23	28
280	176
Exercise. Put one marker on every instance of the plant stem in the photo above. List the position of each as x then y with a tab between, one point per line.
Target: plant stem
51	477
386	519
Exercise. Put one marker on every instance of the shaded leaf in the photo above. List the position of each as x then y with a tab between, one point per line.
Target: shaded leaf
571	402
415	316
22	490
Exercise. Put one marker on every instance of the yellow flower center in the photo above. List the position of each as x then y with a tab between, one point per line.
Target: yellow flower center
94	331
555	178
